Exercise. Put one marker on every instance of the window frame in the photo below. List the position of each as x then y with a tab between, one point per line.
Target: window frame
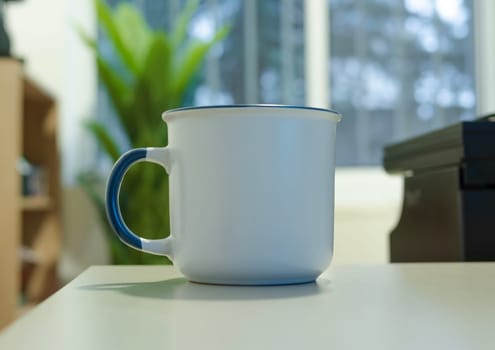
484	53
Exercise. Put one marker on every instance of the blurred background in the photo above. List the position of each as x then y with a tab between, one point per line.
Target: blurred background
84	81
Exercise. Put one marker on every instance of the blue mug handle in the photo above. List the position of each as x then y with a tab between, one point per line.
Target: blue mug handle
159	156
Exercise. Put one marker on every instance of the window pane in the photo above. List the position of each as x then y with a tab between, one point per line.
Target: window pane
262	59
399	68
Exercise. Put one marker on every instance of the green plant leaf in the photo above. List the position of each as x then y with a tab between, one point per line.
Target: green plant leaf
119	93
105	140
89	41
134	32
151	94
117	88
155	79
182	23
109	24
157	70
191	61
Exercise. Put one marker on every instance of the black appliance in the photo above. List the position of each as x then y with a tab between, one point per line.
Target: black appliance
448	211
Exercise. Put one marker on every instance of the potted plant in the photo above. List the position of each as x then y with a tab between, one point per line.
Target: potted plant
156	71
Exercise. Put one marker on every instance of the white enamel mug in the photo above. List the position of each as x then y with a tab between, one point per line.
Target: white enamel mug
251	193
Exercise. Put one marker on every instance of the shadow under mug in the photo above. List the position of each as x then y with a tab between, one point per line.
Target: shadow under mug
251	193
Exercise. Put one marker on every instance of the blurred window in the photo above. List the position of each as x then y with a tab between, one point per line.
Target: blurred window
398	68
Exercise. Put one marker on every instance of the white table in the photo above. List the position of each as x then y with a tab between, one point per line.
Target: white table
415	306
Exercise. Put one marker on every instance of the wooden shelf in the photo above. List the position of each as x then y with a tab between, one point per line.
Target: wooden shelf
29	130
37	203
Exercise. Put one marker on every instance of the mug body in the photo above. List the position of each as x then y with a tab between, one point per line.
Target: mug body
251	193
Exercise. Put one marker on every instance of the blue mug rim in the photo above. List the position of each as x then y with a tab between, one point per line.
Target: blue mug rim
275	106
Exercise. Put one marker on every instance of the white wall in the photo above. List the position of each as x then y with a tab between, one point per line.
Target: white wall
42	33
367	207
36	36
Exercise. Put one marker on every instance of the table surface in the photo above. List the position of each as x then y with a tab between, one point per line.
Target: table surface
400	306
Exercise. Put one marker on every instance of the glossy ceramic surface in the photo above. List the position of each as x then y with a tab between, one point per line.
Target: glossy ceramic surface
251	193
